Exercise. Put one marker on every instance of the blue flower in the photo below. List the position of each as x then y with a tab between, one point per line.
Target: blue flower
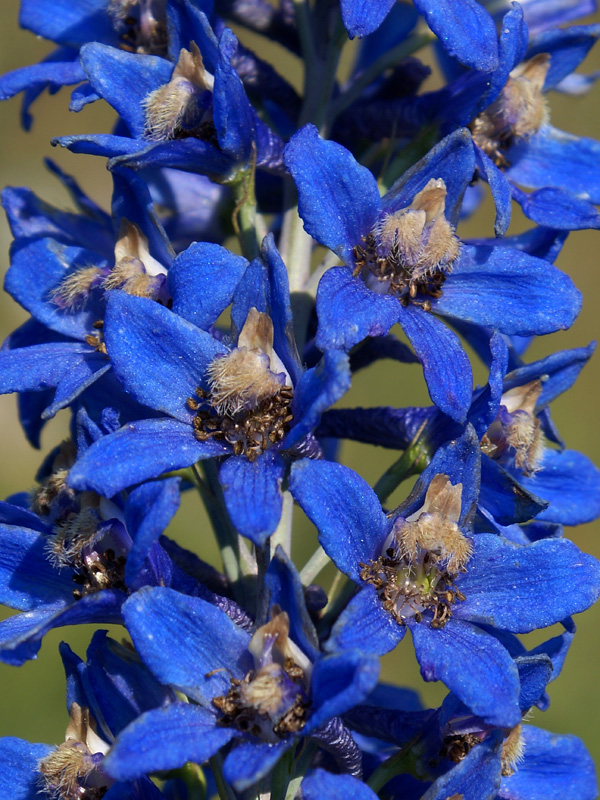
403	262
252	403
420	568
261	691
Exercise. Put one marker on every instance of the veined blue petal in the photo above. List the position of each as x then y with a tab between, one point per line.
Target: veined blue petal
159	357
503	496
76	380
148	511
489	687
187	642
570	482
504	583
567	48
39	367
252	492
345	510
19	774
202	281
137	452
366	626
166	738
500	189
349	311
338	199
446	367
233	117
465	29
510	291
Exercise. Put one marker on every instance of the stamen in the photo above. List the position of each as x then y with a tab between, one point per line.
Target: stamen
421	561
411	251
74	290
513	751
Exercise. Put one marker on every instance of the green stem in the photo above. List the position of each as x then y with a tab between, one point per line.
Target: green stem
283	532
244	216
313	566
402	762
226	536
412	462
195	782
386	60
225	791
302	766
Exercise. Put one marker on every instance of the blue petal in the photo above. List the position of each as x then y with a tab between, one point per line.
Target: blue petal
500	189
159	357
466	30
19	773
21	636
320	784
475	777
27	578
233	117
558	372
385	427
80	376
453	160
551	763
338	199
489	687
570	482
165	739
534	674
317	390
362	17
250	761
556	158
118	686
504	497
38	76
39	268
402	22
284	589
567	49
148	511
446	367
504	582
346	512
202	281
139	451
338	683
252	492
186	642
486	404
366	626
39	367
557	208
348	311
511	291
68	23
124	80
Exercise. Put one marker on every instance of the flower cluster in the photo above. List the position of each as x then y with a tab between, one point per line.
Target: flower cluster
261	247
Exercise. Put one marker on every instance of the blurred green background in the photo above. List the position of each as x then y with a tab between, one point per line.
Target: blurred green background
32	698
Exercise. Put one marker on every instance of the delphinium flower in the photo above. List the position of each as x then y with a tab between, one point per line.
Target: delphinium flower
184	365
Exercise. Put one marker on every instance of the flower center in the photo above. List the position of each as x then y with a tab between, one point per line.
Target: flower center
410	252
141	25
518	113
417	571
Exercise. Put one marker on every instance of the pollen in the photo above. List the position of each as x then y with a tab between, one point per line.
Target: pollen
518	113
173	109
74	290
411	251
